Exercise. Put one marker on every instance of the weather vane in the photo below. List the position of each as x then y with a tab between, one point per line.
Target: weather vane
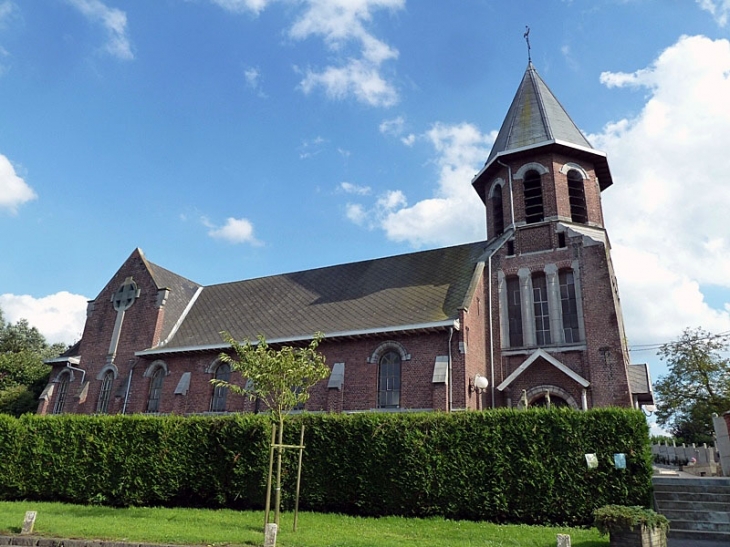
526	36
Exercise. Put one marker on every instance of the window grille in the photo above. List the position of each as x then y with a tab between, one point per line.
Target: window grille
389	380
102	406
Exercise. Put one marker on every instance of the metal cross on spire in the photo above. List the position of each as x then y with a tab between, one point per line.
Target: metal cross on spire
526	36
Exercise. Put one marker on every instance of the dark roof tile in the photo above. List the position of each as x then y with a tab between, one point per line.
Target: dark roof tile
386	293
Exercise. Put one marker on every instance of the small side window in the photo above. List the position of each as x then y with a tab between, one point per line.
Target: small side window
62	394
153	401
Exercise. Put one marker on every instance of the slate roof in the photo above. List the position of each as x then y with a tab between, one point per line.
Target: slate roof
182	291
640	383
535	119
410	291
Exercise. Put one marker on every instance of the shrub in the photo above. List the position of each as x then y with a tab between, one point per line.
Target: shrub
617	518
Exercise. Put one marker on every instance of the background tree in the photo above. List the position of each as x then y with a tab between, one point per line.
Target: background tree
23	374
698	384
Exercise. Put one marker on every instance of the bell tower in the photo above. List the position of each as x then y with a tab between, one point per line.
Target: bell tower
559	329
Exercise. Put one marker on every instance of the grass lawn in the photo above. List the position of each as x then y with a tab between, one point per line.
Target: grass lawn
223	527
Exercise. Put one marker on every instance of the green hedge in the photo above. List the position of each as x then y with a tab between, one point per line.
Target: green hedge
135	460
503	466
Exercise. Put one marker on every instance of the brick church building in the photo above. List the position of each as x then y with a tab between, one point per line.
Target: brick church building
529	316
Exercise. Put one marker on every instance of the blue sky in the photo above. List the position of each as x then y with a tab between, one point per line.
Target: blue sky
232	139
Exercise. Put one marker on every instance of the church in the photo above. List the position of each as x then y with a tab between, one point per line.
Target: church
529	317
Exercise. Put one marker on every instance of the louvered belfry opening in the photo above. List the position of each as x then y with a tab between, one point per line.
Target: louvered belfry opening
534	211
577	197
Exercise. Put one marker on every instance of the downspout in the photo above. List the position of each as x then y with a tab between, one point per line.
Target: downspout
129	385
82	371
491	330
450	404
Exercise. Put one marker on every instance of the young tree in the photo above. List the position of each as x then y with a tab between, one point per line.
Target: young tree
698	384
279	378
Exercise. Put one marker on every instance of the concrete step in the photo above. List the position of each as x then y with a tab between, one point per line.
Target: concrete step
659	480
698	508
693	489
698	526
719	517
692	505
675	537
678	495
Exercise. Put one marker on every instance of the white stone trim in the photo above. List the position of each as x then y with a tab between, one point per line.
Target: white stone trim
539	167
534	392
570	166
390	345
150	370
108	367
550	359
499	181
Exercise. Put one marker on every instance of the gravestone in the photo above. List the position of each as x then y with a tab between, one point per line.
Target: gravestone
29	522
563	540
270	535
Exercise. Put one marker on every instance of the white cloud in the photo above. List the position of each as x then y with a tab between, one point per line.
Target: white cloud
252	76
350	188
59	317
114	22
235	230
342	24
395	128
357	78
311	147
719	9
356	213
253	80
240	6
392	127
453	215
666	212
14	191
7	10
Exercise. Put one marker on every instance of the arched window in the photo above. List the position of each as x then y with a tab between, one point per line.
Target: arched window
389	380
540	307
497	211
102	405
156	380
533	197
63	382
569	306
514	311
577	197
220	393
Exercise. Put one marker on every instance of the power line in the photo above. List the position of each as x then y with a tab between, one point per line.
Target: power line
653	347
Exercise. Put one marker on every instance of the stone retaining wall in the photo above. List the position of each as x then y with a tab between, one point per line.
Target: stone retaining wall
35	541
